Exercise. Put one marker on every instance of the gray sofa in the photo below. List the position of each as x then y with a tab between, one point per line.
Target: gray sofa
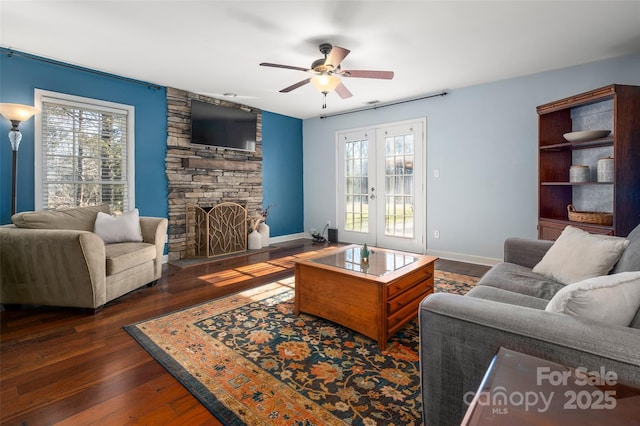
54	258
459	335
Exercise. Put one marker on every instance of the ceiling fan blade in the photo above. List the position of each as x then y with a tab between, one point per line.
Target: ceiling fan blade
295	86
342	91
385	75
336	56
289	67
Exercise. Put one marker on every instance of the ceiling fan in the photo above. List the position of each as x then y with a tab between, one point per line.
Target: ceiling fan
327	71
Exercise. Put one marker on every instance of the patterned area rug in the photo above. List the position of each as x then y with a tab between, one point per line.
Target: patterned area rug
250	360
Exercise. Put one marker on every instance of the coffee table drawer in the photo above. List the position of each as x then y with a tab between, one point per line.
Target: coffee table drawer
400	318
419	290
409	280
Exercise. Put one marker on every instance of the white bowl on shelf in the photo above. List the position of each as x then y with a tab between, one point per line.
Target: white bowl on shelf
586	135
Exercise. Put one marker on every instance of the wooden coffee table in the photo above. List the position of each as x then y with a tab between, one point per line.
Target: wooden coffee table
374	299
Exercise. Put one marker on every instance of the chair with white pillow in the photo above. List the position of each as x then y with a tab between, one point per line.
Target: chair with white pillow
78	257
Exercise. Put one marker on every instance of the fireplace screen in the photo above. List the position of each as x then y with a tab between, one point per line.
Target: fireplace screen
216	231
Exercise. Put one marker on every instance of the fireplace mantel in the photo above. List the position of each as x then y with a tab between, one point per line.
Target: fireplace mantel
215	164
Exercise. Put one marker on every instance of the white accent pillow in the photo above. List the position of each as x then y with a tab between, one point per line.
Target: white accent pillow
613	299
119	229
577	255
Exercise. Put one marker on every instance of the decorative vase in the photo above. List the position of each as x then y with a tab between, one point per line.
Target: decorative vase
264	230
254	240
364	254
579	174
605	169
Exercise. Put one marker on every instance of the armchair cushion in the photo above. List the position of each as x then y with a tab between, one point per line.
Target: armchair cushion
75	218
577	255
613	299
119	229
122	256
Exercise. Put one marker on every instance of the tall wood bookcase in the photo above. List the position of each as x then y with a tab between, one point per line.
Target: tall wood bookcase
616	108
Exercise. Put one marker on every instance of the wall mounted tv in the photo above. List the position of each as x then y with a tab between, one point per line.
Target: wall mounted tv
223	127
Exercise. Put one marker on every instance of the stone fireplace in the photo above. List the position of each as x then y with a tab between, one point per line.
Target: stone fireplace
205	176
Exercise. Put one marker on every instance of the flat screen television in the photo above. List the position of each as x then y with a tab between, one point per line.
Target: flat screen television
223	127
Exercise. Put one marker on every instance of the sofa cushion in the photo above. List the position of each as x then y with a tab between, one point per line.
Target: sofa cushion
630	259
122	256
577	255
520	279
504	296
614	299
119	229
76	218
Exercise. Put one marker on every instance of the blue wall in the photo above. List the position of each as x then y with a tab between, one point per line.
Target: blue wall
20	74
282	173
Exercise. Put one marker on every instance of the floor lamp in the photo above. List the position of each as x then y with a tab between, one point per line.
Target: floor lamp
15	113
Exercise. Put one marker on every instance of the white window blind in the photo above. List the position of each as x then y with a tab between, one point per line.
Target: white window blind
84	155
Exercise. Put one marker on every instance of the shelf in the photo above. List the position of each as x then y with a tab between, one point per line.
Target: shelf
595	143
616	108
574	183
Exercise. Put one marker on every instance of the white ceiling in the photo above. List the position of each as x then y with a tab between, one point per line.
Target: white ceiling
214	47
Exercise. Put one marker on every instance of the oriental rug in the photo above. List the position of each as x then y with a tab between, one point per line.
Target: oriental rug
250	360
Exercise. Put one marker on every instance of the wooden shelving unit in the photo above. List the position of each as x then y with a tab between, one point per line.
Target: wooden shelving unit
615	108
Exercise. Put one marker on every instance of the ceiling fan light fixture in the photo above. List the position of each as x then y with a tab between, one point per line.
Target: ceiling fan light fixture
325	82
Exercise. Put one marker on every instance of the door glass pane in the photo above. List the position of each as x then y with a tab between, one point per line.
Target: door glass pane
399	218
356	186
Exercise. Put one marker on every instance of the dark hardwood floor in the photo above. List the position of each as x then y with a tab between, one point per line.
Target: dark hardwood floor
62	366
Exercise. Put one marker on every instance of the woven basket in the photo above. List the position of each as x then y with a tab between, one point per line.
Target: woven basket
596	218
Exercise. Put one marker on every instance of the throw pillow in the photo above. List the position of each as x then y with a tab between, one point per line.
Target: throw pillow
577	255
613	299
119	229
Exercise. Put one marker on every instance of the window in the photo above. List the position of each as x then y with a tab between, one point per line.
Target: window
83	152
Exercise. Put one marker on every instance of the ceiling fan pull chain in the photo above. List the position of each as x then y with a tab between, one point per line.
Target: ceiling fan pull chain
324	100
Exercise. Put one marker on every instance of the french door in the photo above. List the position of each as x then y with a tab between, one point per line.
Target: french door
381	186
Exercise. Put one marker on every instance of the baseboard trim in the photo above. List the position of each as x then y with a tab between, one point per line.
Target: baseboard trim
479	260
165	258
290	237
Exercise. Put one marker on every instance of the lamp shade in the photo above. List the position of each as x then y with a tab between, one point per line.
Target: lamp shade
17	112
325	82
